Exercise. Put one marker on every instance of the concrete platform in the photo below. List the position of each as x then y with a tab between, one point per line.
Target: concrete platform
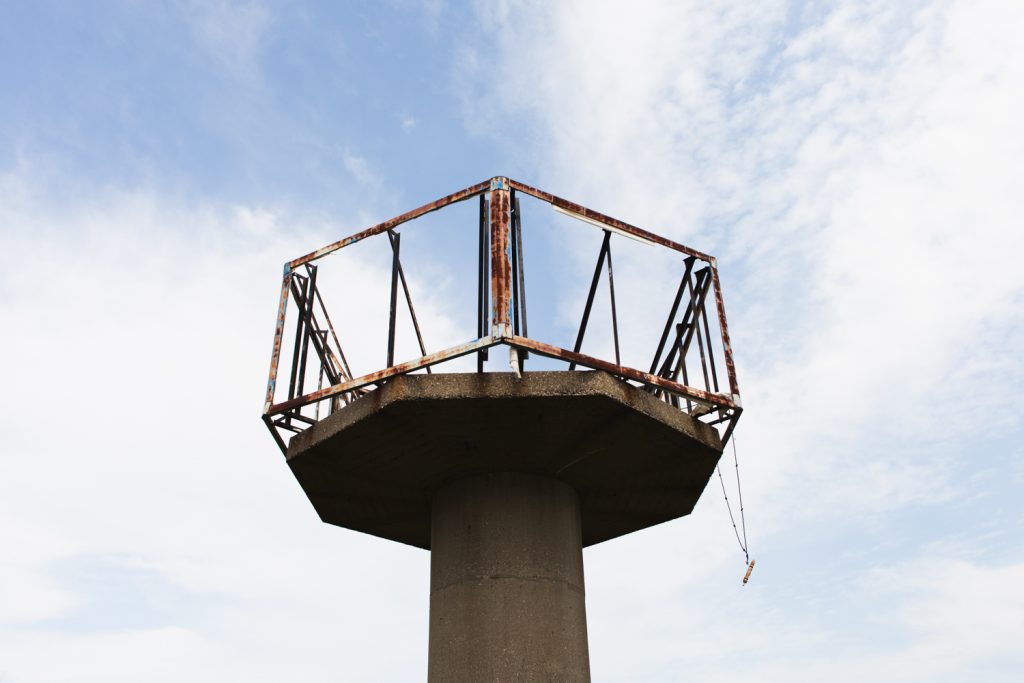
633	460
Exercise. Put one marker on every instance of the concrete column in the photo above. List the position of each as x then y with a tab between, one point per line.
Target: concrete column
506	582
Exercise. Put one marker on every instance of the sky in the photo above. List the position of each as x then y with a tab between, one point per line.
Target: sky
856	168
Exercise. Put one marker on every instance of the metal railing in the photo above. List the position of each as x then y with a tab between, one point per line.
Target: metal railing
689	359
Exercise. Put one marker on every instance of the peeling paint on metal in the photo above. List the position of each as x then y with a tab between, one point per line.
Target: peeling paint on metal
459	196
606	220
501	268
724	328
374	377
275	354
692	393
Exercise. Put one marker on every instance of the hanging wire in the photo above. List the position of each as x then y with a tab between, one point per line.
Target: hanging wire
739	493
741	540
732	519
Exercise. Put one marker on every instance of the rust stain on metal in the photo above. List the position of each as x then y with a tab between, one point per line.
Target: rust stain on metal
692	393
607	220
343	366
724	327
374	377
275	355
501	269
393	222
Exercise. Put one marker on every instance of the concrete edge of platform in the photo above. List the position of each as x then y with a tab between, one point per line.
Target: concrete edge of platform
497	386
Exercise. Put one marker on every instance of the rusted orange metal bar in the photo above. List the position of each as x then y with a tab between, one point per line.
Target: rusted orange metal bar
374	377
606	220
501	269
275	355
693	393
393	222
724	328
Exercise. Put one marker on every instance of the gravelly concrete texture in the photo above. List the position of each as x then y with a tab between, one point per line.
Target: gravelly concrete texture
506	582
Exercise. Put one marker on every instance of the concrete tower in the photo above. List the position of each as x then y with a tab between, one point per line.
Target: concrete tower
505	476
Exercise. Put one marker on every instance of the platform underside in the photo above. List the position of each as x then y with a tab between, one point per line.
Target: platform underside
374	465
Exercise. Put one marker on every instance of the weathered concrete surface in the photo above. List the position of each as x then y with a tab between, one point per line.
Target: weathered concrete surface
634	461
506	582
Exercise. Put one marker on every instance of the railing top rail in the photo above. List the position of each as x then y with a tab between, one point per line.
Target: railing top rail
494	183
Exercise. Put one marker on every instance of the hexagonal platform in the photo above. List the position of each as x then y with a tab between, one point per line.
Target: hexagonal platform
635	461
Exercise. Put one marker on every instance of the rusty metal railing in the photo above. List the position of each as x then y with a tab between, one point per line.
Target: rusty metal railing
692	367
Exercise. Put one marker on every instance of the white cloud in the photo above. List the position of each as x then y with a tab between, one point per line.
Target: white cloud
360	169
856	170
136	328
962	613
856	179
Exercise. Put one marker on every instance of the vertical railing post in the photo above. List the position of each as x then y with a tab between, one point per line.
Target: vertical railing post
275	355
300	299
395	246
518	273
615	315
605	246
730	367
501	269
672	313
308	328
483	282
711	348
514	253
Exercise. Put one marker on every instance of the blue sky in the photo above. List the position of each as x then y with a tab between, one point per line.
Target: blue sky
856	168
181	93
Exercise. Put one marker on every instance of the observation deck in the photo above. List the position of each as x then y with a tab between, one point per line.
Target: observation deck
371	448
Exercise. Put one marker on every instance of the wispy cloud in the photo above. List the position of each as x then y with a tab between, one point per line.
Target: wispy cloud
360	170
126	419
855	168
233	32
854	171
